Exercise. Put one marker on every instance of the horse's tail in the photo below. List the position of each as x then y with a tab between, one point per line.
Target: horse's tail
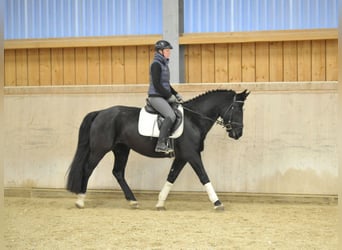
76	169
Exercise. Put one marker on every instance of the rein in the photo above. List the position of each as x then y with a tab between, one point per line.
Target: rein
219	121
203	116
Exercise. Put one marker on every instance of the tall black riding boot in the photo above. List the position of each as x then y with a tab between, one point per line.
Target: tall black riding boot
163	136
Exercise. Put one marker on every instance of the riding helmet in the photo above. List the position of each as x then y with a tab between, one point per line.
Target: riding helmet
162	44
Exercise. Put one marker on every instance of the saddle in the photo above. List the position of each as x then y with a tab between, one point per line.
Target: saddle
150	121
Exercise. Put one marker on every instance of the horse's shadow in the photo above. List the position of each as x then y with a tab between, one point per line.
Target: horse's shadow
146	205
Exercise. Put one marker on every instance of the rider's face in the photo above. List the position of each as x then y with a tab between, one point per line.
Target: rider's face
166	53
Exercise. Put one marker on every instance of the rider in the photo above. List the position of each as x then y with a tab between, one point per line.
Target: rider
161	94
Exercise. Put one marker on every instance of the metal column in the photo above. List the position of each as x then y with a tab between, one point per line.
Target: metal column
173	25
1	116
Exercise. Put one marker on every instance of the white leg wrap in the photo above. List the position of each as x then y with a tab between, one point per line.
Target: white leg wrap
80	200
211	192
163	194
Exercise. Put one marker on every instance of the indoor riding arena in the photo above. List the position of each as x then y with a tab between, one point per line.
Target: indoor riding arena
278	182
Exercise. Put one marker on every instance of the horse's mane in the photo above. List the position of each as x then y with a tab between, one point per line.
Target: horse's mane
207	93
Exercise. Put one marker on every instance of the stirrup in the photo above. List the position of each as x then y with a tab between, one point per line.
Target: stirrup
164	147
165	150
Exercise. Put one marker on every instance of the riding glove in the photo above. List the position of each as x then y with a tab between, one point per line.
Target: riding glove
179	98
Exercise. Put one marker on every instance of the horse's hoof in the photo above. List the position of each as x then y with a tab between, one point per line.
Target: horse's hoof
79	204
160	208
133	204
219	207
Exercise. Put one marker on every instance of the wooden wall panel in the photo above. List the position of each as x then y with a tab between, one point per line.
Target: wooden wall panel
331	64
105	65
262	62
10	68
186	64
248	62
93	65
221	63
194	63
152	52
318	60
290	61
33	67
274	61
69	63
21	67
208	63
118	65
304	60
130	55
57	64
45	66
143	60
235	62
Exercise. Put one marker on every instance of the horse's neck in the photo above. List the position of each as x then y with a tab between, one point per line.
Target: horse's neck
207	109
210	111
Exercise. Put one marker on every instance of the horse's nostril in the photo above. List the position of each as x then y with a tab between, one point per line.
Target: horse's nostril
235	134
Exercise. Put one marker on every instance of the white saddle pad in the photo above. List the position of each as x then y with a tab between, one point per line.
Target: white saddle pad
148	125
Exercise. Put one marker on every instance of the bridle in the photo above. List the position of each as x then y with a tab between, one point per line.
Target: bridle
220	121
228	126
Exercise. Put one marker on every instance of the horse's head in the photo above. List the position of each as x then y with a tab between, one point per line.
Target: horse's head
233	115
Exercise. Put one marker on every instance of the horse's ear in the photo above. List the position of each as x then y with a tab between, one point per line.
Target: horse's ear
245	93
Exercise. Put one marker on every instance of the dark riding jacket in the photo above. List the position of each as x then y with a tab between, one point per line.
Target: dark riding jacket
160	78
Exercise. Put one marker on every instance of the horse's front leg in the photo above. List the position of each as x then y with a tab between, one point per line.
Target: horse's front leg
213	196
176	168
121	153
197	165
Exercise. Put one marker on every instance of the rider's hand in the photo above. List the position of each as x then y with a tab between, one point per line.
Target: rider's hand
172	99
179	98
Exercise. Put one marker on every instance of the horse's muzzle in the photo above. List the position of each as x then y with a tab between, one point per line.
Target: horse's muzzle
235	133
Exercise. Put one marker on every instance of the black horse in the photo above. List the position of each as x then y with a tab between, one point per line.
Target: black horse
116	129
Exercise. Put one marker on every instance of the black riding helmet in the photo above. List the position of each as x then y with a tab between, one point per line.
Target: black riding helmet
162	44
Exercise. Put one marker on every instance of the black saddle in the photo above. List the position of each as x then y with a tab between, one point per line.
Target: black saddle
179	117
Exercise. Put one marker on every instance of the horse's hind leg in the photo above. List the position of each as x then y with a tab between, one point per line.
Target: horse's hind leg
93	160
121	153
